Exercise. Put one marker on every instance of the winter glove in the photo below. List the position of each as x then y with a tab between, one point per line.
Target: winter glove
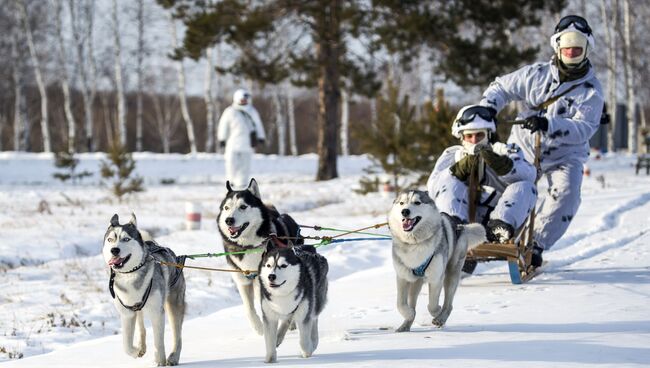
500	164
222	144
535	123
463	168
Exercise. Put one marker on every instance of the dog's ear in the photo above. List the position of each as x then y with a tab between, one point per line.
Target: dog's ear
270	246
115	220
132	220
253	188
228	186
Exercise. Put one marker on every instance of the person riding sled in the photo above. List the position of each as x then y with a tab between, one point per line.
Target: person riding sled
562	100
506	180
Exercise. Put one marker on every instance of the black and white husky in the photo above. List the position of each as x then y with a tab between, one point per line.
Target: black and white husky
293	281
245	225
428	247
140	286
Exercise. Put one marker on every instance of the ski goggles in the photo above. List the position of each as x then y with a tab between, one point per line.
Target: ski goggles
578	22
481	111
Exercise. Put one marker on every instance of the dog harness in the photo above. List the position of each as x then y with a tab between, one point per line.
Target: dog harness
420	270
153	249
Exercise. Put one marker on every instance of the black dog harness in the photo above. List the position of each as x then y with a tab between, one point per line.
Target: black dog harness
153	249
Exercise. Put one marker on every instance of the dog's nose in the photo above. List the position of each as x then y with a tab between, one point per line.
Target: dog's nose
115	251
230	221
406	212
272	277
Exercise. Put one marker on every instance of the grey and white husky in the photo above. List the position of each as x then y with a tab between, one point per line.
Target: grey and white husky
428	247
245	224
293	282
141	286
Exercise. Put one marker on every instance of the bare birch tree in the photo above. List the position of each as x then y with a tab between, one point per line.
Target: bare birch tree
45	122
345	122
140	55
21	123
610	41
280	122
180	71
291	114
65	87
629	80
83	42
119	82
209	100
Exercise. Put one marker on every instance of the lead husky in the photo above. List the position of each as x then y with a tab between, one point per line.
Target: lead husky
294	288
245	224
140	285
428	246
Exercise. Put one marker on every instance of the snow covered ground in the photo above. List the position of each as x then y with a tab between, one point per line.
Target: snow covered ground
590	307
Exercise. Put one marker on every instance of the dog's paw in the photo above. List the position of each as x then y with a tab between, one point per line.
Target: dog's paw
271	358
136	352
307	354
173	358
160	363
405	327
440	319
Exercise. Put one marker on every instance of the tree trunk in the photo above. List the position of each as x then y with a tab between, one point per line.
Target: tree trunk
64	81
121	104
292	121
329	94
140	72
209	101
280	122
345	122
629	81
20	107
373	113
181	91
45	123
610	41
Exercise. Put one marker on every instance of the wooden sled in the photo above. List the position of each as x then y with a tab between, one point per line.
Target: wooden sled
519	250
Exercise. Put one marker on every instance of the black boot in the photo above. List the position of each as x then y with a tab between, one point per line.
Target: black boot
536	259
499	231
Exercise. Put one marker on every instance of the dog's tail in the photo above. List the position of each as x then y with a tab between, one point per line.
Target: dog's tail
475	235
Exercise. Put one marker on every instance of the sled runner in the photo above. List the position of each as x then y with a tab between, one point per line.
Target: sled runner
517	251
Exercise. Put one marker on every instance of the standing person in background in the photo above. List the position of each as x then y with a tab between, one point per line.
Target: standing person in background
240	130
563	100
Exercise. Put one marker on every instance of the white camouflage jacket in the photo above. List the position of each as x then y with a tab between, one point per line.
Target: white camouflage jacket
572	119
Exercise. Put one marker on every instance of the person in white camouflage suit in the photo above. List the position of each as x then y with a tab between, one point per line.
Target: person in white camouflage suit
507	180
240	130
566	123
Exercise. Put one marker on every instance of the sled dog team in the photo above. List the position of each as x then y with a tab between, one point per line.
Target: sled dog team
291	278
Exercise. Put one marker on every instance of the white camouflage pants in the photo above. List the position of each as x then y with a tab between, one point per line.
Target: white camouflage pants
558	206
511	206
238	167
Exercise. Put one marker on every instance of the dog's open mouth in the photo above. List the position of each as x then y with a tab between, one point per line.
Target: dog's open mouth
274	285
117	262
235	231
409	223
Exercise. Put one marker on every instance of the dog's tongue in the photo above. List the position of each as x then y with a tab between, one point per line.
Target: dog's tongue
407	224
115	260
233	230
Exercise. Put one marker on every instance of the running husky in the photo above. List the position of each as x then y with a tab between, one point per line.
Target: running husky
140	285
245	224
428	246
294	289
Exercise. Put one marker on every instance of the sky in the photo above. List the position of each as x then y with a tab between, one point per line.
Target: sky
589	308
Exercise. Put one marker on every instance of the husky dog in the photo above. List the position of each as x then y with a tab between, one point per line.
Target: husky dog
140	285
428	246
294	289
245	224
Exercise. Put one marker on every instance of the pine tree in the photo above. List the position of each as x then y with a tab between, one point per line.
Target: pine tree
117	171
68	162
402	145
